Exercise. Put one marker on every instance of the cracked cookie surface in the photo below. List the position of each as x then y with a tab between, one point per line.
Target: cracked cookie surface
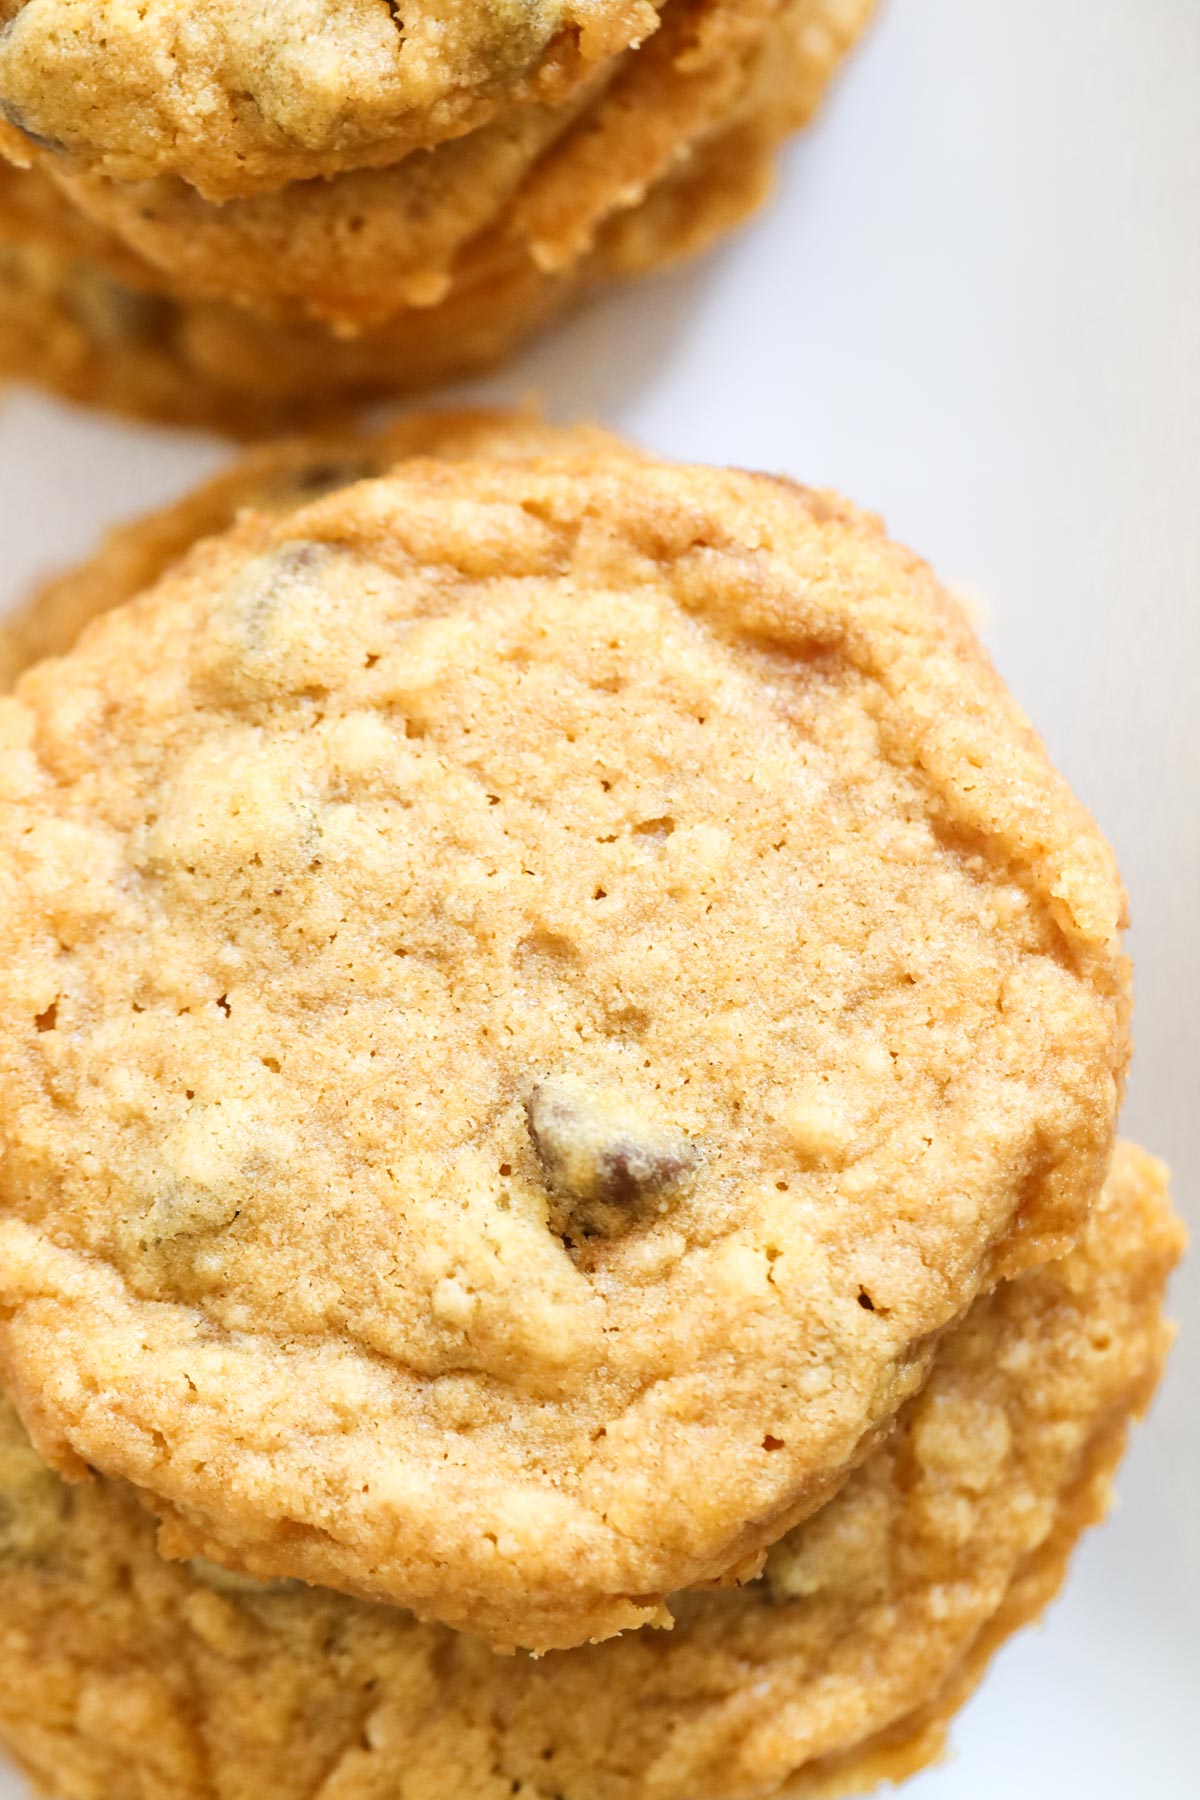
684	787
120	1673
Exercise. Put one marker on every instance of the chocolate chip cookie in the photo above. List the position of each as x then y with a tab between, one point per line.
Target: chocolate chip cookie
83	316
531	993
841	1668
235	99
148	295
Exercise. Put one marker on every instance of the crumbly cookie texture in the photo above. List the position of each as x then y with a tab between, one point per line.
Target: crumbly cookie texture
120	1673
235	99
149	298
679	789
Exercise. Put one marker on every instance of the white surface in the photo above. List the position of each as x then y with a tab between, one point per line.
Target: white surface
976	307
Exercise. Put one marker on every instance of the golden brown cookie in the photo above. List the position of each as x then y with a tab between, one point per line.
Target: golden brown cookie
122	1674
438	265
236	99
68	324
531	992
537	187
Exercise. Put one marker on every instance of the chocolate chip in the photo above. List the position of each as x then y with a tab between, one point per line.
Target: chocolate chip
229	1581
609	1170
16	118
114	315
327	476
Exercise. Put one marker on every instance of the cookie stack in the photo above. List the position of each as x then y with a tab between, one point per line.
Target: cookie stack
229	214
559	1050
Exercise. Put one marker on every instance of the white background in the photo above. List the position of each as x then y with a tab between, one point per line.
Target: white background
975	306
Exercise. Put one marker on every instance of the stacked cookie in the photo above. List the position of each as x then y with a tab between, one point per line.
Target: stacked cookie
225	214
559	1056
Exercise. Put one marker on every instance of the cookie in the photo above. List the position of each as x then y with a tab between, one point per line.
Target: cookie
537	187
235	100
531	993
429	268
120	1673
70	322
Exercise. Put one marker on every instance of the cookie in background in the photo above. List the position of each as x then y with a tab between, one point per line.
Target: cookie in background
146	264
